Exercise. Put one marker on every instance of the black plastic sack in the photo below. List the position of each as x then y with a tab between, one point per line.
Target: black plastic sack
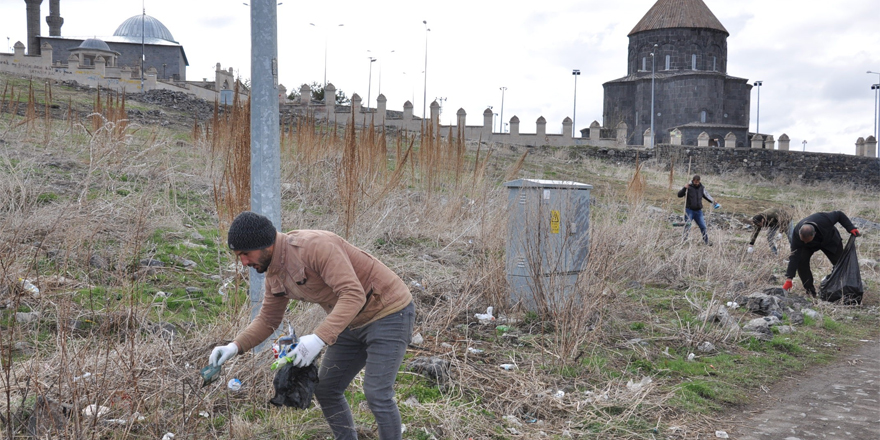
845	281
294	386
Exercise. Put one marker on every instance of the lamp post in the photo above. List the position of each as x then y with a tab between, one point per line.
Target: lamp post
758	84
164	76
653	58
805	145
502	105
370	85
576	73
326	37
425	87
380	68
876	89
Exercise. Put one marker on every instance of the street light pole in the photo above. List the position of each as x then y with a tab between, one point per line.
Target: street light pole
576	73
653	62
370	85
876	89
326	37
425	87
502	105
805	145
758	84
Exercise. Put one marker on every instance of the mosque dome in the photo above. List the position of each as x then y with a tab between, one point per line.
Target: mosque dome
146	25
94	44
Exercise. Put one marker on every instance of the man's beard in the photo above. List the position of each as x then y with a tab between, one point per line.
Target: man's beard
262	263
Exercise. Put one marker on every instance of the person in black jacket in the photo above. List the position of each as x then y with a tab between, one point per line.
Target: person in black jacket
695	193
815	233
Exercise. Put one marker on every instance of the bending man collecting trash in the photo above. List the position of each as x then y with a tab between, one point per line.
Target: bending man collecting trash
815	233
774	219
369	320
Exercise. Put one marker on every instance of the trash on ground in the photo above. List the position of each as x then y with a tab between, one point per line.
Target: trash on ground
721	434
638	386
691	356
485	318
234	384
417	339
508	366
475	350
29	287
94	410
168	436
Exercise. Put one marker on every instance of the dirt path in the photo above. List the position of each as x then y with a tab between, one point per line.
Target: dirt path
839	401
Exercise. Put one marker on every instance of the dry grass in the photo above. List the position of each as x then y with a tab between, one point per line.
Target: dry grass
432	209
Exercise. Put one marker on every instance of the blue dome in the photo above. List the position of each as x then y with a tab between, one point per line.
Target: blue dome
94	43
146	25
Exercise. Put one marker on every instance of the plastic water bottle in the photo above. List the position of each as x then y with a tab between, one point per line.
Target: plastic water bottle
29	287
234	384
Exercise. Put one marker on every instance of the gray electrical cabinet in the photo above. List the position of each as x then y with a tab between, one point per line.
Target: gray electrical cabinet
548	241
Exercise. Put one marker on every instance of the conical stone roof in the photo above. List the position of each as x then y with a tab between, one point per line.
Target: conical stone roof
678	14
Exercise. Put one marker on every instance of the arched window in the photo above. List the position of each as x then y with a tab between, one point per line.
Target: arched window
644	64
714	64
668	61
693	61
703	116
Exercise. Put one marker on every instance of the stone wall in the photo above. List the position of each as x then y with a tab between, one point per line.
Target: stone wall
793	166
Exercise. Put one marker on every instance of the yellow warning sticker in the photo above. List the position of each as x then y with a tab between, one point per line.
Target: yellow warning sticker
554	221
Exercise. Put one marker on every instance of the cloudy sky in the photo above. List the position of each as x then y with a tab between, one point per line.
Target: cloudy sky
812	56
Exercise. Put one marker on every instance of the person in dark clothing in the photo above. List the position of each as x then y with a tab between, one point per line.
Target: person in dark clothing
695	193
775	220
815	233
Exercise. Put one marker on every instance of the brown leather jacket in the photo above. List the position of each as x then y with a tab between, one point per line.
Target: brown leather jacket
352	286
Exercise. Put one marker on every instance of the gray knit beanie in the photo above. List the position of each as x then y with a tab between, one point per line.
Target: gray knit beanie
250	231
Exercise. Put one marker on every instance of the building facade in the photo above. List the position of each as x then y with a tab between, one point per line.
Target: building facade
680	47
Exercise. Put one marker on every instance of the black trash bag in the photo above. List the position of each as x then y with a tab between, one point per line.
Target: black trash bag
294	386
845	281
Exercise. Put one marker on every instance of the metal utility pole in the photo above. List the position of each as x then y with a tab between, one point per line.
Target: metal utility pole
265	136
425	87
758	84
503	89
576	73
653	58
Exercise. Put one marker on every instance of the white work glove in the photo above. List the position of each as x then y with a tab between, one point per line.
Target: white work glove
303	354
223	353
751	249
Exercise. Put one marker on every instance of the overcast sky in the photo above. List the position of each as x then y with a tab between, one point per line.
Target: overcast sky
812	56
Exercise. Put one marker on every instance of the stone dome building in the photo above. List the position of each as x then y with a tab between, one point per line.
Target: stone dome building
144	25
136	36
683	47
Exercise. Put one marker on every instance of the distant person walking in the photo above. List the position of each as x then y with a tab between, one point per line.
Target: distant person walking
775	220
695	193
815	233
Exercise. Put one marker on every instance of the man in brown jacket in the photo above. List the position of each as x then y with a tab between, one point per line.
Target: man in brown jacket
370	315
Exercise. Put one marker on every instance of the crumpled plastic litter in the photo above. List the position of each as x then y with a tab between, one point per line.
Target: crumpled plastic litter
294	386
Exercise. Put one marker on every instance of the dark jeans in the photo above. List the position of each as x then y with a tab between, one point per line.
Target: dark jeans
697	216
380	347
806	274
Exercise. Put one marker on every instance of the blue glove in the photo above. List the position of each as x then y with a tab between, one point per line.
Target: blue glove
717	206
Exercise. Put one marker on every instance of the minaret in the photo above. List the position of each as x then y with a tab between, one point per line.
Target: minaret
54	19
33	25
